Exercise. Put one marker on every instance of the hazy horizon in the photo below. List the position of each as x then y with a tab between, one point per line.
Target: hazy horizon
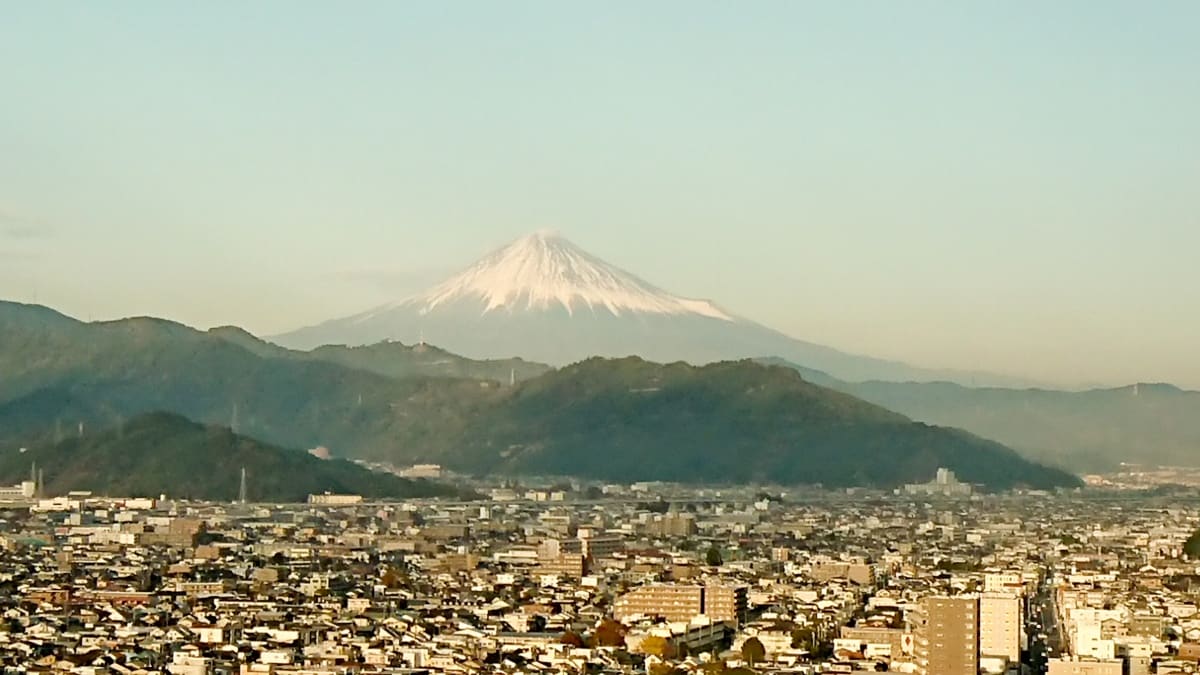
997	187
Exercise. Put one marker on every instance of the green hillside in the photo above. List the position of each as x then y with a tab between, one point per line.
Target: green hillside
163	453
59	372
616	419
729	422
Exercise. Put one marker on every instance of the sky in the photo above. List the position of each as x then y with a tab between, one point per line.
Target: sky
1001	186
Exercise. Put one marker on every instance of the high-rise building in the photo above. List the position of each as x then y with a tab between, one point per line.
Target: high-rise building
571	565
1000	626
588	543
944	483
596	546
726	603
671	524
947	636
673	602
683	602
859	573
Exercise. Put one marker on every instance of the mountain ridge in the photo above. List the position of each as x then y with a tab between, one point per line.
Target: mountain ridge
165	453
732	421
1087	430
392	358
100	374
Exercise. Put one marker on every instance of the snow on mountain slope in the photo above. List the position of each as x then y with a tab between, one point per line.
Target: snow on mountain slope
542	271
544	299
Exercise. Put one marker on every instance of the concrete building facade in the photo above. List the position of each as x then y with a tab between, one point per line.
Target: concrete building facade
947	636
683	602
1000	626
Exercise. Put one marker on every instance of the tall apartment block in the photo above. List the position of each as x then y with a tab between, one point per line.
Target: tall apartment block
947	636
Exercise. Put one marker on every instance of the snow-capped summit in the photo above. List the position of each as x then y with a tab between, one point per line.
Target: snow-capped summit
544	271
545	299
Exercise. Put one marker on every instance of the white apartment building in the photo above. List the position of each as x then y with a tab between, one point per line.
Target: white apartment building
1000	626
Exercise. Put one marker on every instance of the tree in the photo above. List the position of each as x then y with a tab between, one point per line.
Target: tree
572	639
537	624
657	645
753	651
803	638
659	506
713	557
392	578
609	633
1191	547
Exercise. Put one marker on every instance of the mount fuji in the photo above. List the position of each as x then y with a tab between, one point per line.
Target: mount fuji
543	298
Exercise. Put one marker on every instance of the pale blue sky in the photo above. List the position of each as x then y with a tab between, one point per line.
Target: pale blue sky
1010	186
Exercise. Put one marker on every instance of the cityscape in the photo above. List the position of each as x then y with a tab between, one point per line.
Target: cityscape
674	337
645	577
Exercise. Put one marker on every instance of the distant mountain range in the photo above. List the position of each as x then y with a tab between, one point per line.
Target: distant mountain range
625	419
393	359
1093	430
545	299
163	453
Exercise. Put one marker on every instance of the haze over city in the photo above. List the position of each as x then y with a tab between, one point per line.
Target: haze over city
979	187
